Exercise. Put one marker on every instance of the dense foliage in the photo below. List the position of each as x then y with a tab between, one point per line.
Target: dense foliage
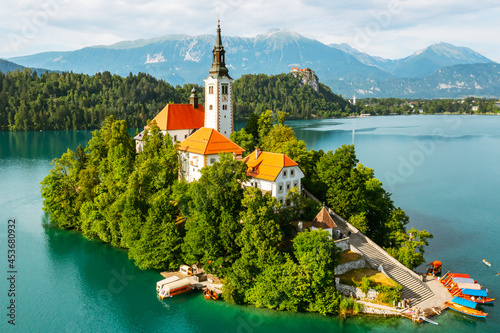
388	106
353	192
135	201
348	187
54	101
62	101
283	92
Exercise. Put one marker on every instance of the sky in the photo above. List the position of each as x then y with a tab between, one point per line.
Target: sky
387	28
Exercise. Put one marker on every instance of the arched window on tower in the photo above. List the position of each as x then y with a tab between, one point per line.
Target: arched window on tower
210	107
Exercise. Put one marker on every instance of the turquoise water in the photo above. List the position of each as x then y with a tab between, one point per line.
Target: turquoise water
65	283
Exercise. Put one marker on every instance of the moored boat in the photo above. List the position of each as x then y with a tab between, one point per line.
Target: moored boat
476	296
434	268
175	288
207	293
466	307
430	321
486	262
458	275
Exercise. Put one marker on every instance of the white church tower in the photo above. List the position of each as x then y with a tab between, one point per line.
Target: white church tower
219	92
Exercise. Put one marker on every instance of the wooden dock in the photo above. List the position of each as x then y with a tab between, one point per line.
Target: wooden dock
215	285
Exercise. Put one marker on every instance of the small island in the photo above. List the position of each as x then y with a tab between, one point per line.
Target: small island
255	208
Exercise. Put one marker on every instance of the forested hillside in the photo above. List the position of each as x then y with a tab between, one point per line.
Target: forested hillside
64	101
257	93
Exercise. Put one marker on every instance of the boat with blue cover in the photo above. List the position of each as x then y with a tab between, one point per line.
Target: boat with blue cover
476	296
466	307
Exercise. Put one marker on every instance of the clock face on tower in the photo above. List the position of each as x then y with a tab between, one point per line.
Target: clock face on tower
224	98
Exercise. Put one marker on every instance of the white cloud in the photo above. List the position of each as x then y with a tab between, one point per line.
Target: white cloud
395	28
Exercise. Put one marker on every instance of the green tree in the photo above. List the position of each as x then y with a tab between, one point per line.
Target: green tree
212	224
265	123
244	140
159	246
59	191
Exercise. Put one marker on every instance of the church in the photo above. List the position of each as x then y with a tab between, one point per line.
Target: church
203	133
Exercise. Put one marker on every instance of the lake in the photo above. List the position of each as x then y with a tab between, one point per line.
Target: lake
443	170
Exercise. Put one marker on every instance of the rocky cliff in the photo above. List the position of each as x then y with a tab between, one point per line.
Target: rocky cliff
307	76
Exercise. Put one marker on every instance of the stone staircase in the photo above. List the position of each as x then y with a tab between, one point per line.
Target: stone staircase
413	289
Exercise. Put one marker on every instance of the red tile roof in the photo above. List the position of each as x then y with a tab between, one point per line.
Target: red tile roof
323	220
180	116
207	141
267	165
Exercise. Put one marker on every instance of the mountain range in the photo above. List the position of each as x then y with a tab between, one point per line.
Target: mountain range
440	70
9	66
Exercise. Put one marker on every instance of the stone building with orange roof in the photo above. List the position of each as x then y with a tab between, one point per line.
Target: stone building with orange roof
274	173
324	221
178	120
202	149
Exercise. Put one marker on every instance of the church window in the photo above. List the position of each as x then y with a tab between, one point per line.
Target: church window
224	88
287	187
284	173
291	173
210	107
175	138
224	107
210	89
212	160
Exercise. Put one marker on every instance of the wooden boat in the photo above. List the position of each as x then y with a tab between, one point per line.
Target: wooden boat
207	293
175	288
486	262
463	280
478	300
448	277
430	321
455	286
476	296
465	307
434	268
458	275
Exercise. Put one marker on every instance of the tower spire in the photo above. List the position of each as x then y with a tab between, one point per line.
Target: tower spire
218	60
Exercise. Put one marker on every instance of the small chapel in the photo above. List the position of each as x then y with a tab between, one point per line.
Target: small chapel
203	133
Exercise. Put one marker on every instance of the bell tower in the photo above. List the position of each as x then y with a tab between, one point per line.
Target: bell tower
219	91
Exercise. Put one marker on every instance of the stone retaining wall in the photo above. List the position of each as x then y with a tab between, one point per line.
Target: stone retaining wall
349	266
355	292
366	309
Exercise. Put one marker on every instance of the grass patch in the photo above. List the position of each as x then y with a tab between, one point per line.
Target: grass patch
376	278
348	256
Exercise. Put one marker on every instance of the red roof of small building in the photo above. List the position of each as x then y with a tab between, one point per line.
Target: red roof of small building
207	141
265	165
180	116
323	220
